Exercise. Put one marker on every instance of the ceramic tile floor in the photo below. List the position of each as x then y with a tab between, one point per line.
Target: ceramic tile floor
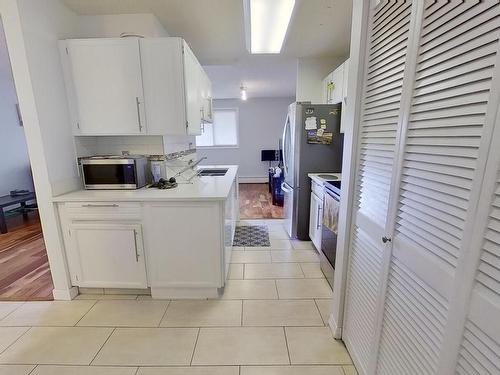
271	320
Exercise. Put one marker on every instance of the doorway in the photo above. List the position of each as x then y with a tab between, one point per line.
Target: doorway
24	268
257	202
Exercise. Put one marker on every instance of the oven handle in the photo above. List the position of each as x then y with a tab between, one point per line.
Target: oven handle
318	225
100	205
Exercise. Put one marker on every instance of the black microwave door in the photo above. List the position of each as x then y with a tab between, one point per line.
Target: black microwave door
109	174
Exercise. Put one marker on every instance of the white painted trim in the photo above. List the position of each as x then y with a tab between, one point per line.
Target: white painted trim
65	294
253	180
335	328
351	116
14	35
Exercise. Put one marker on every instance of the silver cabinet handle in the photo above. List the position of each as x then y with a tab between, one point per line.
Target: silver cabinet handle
138	103
135	244
317	219
19	117
100	205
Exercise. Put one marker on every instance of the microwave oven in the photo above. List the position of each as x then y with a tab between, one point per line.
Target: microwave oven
114	172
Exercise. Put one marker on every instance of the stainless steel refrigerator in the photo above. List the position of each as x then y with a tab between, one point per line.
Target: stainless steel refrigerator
312	143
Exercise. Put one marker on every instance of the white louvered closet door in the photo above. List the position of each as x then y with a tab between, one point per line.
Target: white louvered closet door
441	169
479	351
385	64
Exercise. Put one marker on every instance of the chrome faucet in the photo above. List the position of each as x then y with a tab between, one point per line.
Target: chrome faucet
190	166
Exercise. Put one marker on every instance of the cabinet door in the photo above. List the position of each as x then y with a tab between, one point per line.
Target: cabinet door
326	93
315	220
163	78
107	82
344	84
344	97
374	177
192	83
337	81
206	94
108	255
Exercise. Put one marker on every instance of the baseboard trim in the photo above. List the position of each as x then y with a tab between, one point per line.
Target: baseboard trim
335	328
253	180
65	294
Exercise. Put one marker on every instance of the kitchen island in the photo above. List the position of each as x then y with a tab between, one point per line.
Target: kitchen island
177	242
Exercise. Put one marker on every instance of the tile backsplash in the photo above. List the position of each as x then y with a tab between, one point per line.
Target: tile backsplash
141	144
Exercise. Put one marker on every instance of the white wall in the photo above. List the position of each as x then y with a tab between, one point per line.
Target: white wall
113	25
261	123
15	170
310	75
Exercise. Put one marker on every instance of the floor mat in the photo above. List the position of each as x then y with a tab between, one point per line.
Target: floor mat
251	236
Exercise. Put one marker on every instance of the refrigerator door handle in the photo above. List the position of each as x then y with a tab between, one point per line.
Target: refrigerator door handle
285	189
287	123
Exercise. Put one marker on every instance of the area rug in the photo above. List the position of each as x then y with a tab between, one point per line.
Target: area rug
251	236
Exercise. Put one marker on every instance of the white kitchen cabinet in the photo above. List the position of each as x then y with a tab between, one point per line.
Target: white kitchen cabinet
127	86
185	248
105	78
344	81
193	86
344	97
333	86
206	97
107	255
316	220
174	85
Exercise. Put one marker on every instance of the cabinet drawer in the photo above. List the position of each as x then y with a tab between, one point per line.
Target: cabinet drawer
317	189
103	210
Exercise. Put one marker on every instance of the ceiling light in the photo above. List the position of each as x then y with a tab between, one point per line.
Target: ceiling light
243	92
266	24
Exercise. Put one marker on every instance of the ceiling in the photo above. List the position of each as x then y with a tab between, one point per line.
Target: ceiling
215	31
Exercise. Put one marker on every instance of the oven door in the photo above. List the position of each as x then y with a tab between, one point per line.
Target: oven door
331	205
110	175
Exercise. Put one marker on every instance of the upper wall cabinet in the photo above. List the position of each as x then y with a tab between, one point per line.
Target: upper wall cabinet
334	83
107	86
335	88
128	86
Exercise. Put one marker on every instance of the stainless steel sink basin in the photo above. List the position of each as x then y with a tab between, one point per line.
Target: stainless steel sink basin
328	176
212	172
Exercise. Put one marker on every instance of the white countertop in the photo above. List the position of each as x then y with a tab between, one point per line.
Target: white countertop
316	177
202	188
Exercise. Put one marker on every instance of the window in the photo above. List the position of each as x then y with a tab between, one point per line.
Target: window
223	132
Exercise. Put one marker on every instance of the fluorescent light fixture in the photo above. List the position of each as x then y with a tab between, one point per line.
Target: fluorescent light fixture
243	92
266	24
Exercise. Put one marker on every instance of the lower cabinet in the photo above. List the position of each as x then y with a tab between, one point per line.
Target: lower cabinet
185	243
107	255
316	220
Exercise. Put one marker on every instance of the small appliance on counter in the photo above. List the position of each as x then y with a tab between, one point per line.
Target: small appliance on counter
158	167
114	172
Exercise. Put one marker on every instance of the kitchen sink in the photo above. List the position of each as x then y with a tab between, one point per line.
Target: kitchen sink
212	172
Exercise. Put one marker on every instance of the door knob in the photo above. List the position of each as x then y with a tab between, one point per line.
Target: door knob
386	239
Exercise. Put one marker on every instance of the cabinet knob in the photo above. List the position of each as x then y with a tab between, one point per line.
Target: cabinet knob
386	239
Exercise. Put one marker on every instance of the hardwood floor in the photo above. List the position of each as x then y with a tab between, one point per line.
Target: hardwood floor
24	267
256	203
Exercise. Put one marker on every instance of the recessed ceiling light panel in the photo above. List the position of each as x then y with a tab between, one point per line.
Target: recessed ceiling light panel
266	24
